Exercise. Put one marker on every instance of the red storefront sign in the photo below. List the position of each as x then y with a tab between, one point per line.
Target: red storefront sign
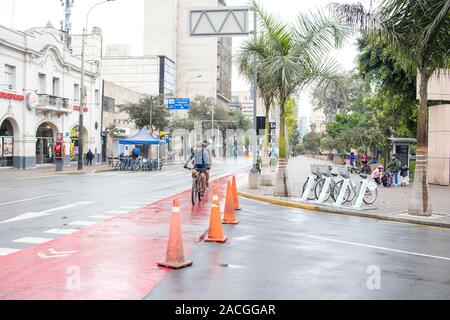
11	96
76	108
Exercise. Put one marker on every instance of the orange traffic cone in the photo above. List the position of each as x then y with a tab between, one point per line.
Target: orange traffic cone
175	252
215	233
235	195
229	216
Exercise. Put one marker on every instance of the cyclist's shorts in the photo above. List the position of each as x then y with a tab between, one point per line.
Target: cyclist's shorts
200	168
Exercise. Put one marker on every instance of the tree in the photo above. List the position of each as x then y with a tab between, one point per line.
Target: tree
115	132
150	108
417	32
298	57
394	90
332	100
256	50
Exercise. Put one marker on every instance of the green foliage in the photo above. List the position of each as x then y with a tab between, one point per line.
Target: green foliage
115	132
295	56
311	142
139	113
393	88
201	110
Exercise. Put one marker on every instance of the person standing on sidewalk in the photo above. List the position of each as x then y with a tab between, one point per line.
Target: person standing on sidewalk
89	157
393	168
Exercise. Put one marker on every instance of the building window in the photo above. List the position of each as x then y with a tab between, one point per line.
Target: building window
97	98
76	92
42	83
56	87
10	76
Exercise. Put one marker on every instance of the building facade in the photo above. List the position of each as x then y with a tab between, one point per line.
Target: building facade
317	121
203	64
113	97
152	75
40	94
439	129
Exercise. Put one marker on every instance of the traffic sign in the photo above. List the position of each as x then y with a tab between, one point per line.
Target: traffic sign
179	103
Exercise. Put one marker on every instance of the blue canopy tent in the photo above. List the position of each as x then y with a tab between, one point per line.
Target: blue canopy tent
143	137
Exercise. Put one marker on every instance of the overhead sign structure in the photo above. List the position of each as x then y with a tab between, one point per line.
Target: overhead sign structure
178	103
219	21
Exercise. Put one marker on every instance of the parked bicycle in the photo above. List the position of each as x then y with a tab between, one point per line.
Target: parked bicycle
370	195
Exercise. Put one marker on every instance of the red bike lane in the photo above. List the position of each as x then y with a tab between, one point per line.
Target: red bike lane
113	259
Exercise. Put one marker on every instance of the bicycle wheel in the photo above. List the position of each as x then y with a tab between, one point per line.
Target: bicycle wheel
311	195
337	190
370	196
200	187
194	193
318	189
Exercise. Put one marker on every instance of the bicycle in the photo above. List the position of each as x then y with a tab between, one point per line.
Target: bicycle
370	196
198	184
319	186
312	194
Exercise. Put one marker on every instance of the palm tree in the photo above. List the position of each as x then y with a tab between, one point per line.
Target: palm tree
417	31
298	56
257	48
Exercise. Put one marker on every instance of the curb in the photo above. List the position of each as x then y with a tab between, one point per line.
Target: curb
311	207
341	211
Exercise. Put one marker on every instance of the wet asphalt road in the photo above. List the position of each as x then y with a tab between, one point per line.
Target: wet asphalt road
47	207
284	253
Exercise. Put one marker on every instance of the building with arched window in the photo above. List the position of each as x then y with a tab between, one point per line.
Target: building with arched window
40	96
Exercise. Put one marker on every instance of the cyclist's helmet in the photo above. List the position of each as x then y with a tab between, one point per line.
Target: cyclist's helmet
380	167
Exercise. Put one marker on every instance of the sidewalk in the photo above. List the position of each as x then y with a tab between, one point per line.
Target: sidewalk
49	170
391	204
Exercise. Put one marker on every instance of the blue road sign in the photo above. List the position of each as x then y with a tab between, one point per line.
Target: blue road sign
178	103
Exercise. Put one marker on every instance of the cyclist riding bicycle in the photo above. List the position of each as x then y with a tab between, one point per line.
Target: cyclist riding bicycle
202	160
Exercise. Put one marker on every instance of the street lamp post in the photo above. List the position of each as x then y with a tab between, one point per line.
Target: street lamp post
82	90
254	174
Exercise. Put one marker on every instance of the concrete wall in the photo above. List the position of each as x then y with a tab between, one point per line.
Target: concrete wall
121	96
166	33
439	145
438	86
139	74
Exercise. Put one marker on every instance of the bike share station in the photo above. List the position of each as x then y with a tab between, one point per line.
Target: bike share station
144	137
321	183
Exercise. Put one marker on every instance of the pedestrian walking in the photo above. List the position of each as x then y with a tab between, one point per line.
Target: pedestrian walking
393	168
89	157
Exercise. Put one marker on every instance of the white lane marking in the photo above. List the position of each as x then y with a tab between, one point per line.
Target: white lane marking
52	253
83	223
377	247
33	240
99	216
130	207
31	215
7	251
61	231
114	212
3	189
31	199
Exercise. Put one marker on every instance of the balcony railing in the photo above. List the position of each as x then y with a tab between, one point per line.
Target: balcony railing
47	101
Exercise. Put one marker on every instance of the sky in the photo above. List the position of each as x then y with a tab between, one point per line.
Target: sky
122	22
